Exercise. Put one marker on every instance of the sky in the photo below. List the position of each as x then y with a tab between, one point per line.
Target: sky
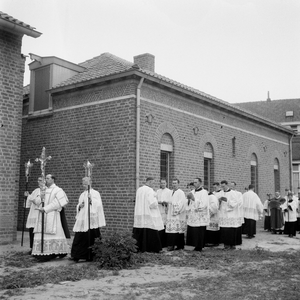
235	50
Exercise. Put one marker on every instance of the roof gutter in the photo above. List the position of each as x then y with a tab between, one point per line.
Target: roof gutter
138	133
208	99
291	162
15	28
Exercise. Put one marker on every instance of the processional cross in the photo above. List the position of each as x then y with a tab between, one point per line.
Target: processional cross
43	160
88	173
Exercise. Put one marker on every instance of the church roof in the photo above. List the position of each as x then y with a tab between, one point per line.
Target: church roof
109	64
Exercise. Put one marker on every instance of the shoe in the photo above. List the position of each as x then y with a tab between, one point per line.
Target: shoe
280	232
176	249
29	252
62	255
232	248
226	247
170	248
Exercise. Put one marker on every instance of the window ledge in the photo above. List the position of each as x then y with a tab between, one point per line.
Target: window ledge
40	114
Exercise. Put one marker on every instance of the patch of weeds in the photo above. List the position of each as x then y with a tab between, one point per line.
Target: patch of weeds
115	252
30	278
18	260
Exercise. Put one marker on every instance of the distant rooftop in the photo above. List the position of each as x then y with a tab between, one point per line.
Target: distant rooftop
280	111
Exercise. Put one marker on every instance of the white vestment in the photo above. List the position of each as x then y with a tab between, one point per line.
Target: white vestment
55	241
229	214
253	208
97	218
163	195
240	207
266	207
198	210
291	214
214	213
33	201
176	218
146	211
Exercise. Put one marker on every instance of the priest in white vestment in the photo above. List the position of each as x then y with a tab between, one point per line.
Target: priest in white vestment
176	218
240	229
84	235
198	216
32	202
163	198
147	219
289	208
229	216
212	234
55	228
253	210
267	214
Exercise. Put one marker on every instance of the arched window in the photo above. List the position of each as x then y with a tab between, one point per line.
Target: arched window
167	158
276	175
254	172
208	166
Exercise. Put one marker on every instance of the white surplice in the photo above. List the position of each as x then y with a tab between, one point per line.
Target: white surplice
229	213
176	218
97	218
291	214
198	209
146	211
253	208
214	213
163	195
33	201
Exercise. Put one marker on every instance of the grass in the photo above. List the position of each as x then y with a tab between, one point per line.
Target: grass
240	274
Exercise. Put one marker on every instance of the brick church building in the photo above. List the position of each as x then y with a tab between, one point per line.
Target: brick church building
131	122
12	64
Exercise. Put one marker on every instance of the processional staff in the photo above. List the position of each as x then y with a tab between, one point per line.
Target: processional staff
28	166
88	173
43	160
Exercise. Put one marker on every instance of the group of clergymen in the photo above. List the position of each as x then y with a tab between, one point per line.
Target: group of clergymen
282	214
50	240
162	218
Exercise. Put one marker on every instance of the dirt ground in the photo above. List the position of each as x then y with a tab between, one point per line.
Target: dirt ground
129	284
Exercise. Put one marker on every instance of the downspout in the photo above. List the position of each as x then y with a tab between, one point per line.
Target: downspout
291	163
138	132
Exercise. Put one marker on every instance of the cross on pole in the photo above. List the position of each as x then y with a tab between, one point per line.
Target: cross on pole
43	160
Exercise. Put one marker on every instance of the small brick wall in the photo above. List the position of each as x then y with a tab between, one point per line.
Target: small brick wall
11	83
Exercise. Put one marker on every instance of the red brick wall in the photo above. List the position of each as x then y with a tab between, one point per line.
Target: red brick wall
175	115
11	86
104	134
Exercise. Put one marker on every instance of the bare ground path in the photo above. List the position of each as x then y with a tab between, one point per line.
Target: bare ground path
149	282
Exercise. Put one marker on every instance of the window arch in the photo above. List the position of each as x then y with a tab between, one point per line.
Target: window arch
276	175
208	177
254	171
167	158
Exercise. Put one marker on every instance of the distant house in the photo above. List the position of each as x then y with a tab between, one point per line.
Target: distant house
132	123
11	85
287	113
